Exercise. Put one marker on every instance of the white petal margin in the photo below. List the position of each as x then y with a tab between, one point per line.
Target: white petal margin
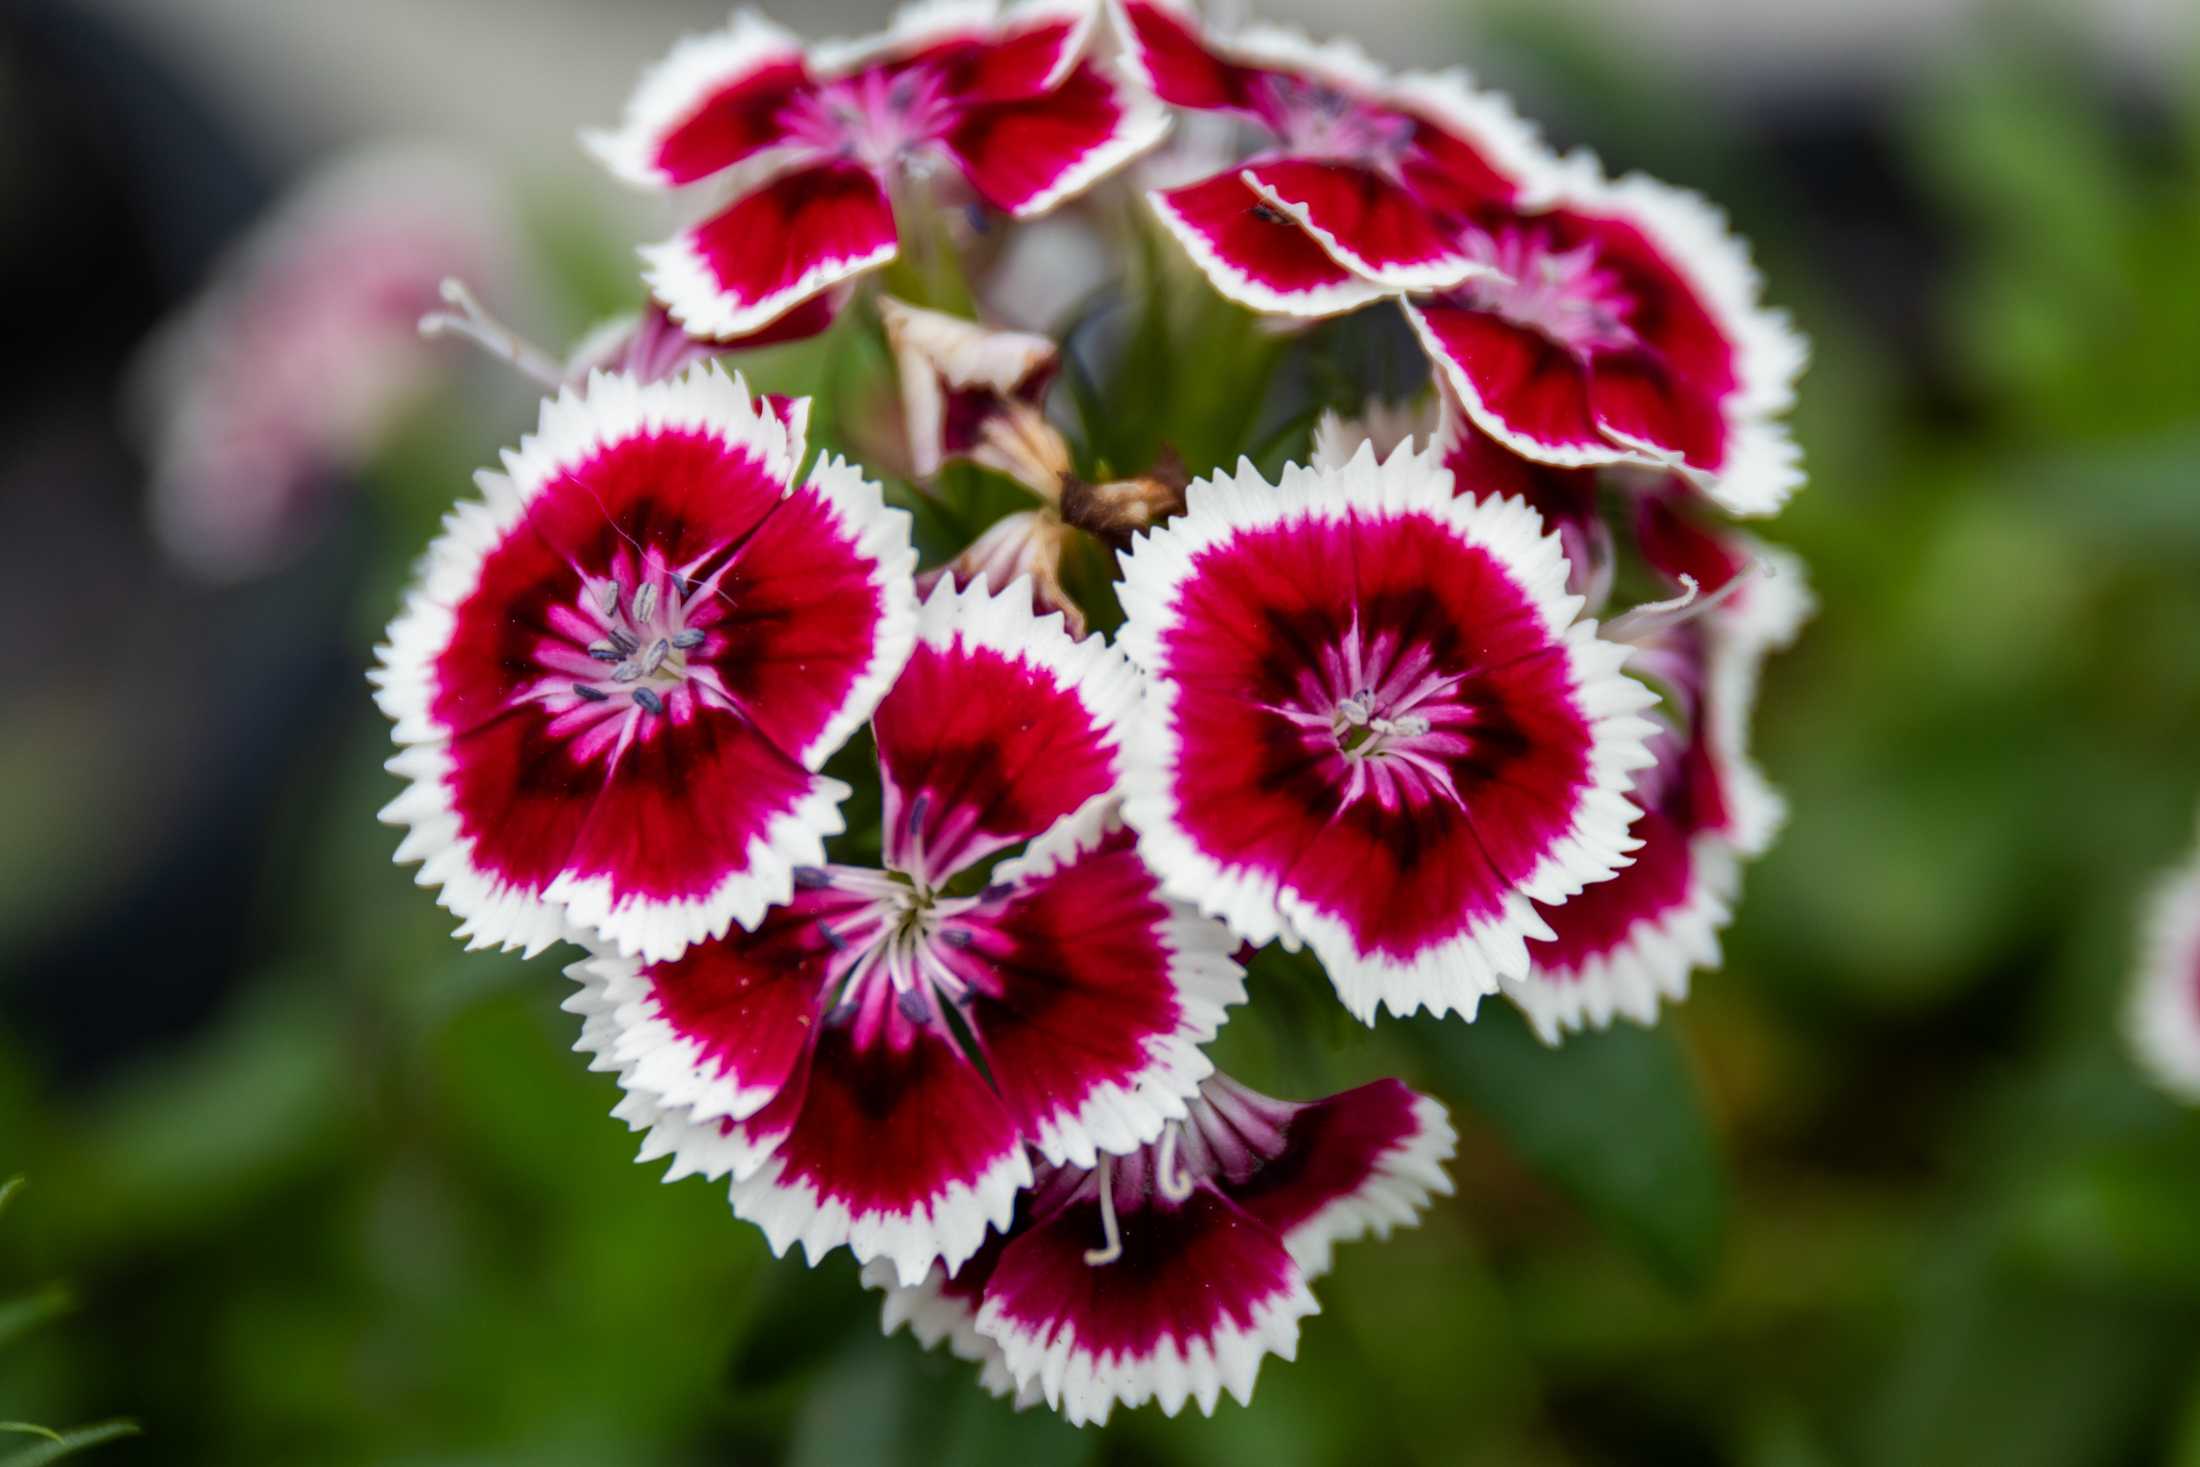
1443	274
1766	617
632	1037
1456	974
948	1229
932	1317
678	276
1651	966
1114	1118
913	28
1764	465
1389	426
1405	1179
672	92
2163	1018
1255	295
1086	1388
575	424
1141	123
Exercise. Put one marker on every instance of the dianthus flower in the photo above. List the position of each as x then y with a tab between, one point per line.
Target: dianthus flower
2164	1016
1167	1275
619	672
1375	724
829	1060
812	143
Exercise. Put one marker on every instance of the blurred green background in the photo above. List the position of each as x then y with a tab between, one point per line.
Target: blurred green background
1886	1191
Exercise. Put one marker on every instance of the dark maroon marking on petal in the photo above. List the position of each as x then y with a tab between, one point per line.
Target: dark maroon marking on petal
1255	239
767	241
1253	623
1014	153
1178	64
1677	543
979	752
1187	1272
1380	223
798	619
737	121
1330	1149
890	1127
1634	395
1665	313
1536	388
1018	63
749	1001
1074	980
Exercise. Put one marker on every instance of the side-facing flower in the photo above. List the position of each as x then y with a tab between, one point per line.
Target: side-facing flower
821	1058
958	378
812	141
1169	1274
1375	724
618	673
1622	324
2163	1020
1365	177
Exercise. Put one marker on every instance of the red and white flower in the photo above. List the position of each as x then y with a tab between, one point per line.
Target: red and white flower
1169	1274
1622	323
811	142
1375	724
1365	177
956	377
814	1058
619	672
2164	1017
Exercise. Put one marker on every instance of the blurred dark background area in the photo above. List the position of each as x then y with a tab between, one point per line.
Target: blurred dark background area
1887	1190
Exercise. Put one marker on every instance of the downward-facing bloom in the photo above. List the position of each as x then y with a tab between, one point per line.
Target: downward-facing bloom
966	390
1364	179
1169	1274
821	1058
620	671
812	141
1622	324
2164	1016
1375	724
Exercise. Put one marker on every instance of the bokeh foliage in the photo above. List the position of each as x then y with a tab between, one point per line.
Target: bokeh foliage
1887	1191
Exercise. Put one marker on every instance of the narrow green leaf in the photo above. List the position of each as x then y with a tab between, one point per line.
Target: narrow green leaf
21	1315
1615	1120
8	1189
69	1443
30	1428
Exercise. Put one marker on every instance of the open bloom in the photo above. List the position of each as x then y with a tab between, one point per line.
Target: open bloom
1364	179
1374	724
1622	324
814	1058
811	141
2164	1018
1169	1274
619	672
1624	946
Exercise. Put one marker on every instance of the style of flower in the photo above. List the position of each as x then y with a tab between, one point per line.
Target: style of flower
619	672
1365	178
289	369
813	143
1169	1274
1375	725
1622	323
829	1060
2163	1020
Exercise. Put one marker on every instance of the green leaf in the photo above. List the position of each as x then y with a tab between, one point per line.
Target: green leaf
8	1189
69	1443
1614	1119
19	1316
30	1428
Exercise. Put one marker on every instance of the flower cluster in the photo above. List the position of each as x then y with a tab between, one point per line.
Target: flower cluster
1365	709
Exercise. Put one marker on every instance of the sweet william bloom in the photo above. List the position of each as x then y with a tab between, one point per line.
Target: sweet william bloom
619	672
959	379
1169	1274
1365	178
1374	724
814	1058
1622	324
1626	945
2163	1020
812	141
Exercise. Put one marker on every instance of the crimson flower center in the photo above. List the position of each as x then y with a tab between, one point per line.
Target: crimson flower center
877	118
1567	296
892	960
1389	717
